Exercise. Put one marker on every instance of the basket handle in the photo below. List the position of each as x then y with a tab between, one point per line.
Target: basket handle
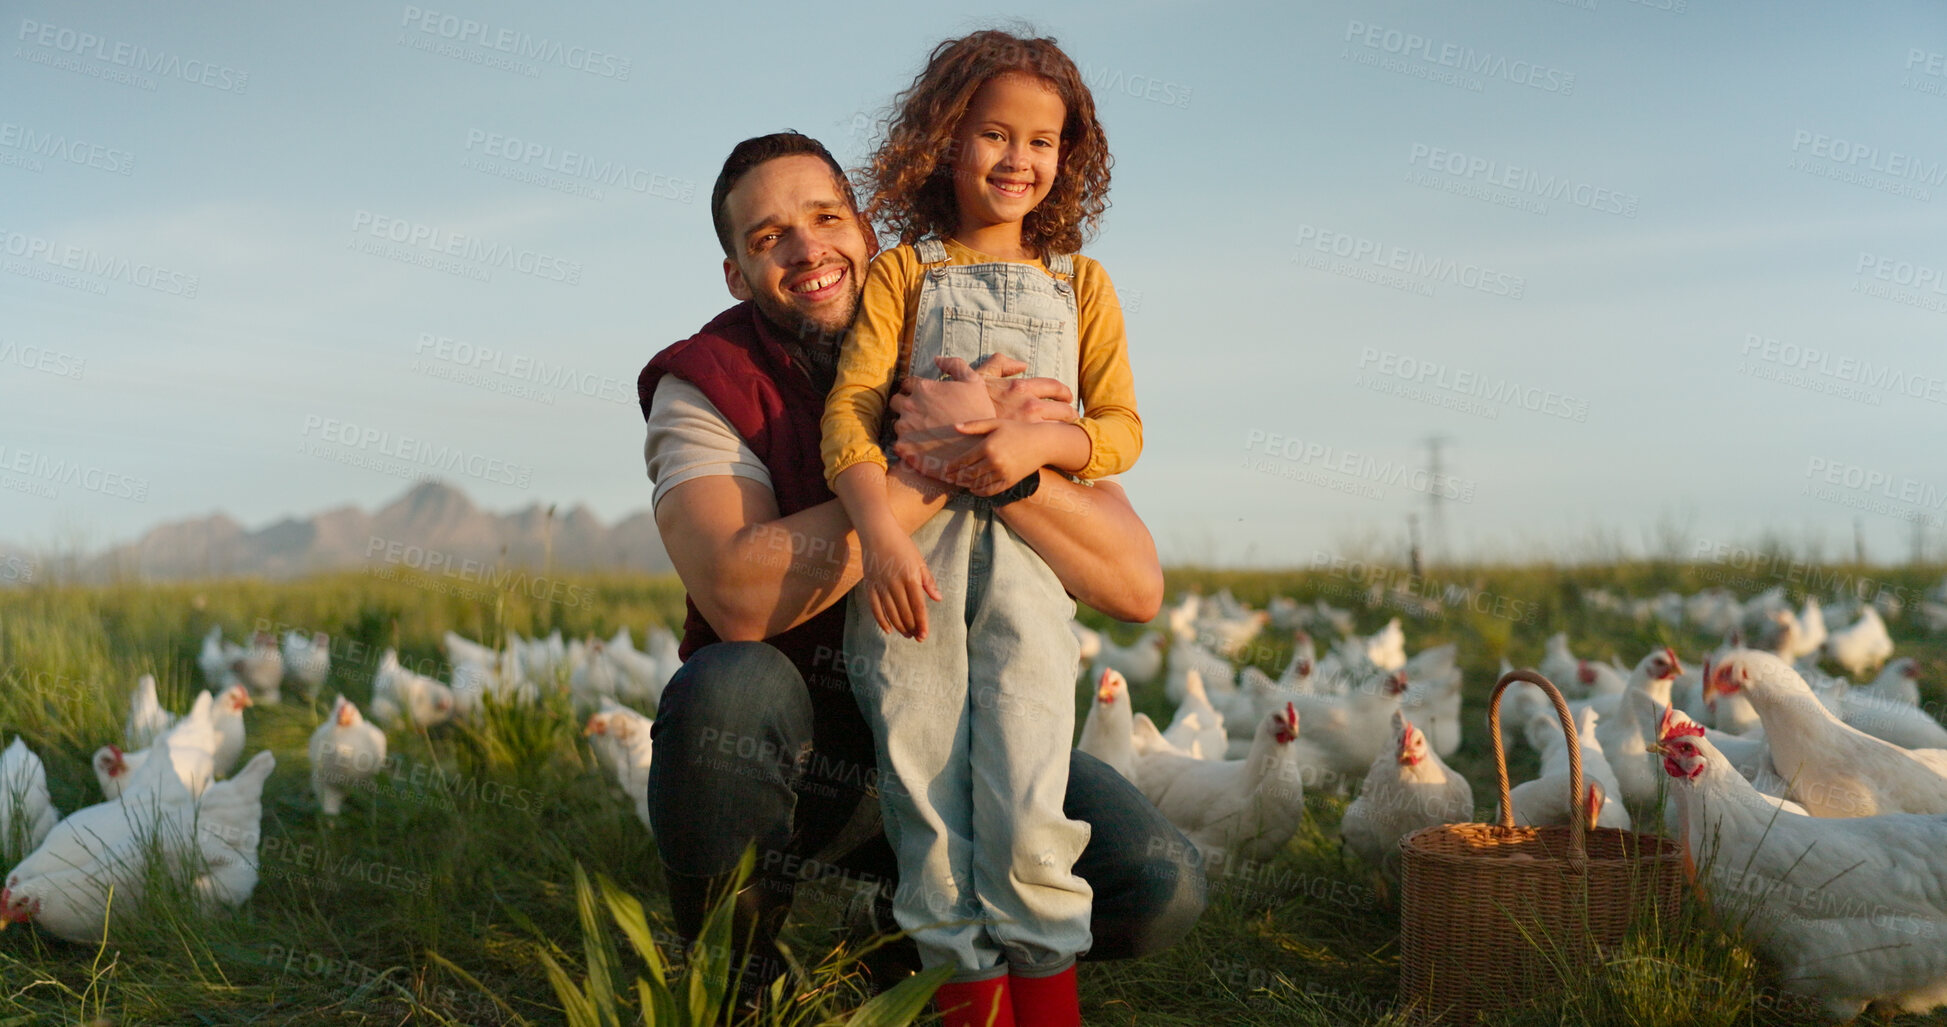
1578	853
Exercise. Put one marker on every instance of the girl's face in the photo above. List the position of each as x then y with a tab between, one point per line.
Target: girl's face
1007	150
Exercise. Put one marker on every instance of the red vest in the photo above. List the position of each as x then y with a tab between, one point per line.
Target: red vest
738	364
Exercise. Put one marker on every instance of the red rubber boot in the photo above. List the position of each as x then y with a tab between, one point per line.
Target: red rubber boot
976	1003
1046	1001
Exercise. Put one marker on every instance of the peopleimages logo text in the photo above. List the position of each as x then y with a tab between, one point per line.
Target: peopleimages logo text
524	45
1470	383
436	240
132	57
1412	45
1409	262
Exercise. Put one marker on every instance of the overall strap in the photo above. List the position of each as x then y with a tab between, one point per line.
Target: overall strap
1062	264
931	250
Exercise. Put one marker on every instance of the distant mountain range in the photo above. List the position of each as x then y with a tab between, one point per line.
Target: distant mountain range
430	518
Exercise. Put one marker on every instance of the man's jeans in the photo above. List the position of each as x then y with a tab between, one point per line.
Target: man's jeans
737	764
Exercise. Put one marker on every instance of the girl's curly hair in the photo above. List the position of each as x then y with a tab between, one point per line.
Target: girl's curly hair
911	175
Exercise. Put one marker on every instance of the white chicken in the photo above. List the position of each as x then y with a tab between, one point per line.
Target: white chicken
1350	730
1545	802
1811	629
1386	648
401	697
1107	731
1851	912
1405	790
1560	666
1432	698
542	658
479	671
461	649
1596	679
65	884
27	814
1861	646
639	677
308	659
226	715
147	720
1219	679
1148	740
1257	694
1238	809
228	825
346	753
190	748
1625	737
1834	770
1297	674
1227	633
1140	662
1908	727
1729	713
1898	681
261	668
1337	618
216	659
626	736
1197	720
592	675
1286	614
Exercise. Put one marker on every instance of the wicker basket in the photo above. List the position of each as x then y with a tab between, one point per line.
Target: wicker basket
1491	914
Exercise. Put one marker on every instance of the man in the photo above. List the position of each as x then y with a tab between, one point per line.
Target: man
758	739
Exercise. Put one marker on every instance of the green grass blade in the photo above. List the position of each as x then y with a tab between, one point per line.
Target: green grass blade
899	1005
603	964
575	1005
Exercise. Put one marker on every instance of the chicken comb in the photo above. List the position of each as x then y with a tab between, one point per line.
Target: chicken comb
1287	729
1675	724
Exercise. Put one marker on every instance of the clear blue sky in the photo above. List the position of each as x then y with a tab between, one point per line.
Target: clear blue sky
1599	210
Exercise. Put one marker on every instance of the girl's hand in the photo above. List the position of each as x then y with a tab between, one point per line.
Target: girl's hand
898	583
1007	452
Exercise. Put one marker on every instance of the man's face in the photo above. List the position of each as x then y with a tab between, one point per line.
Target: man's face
798	249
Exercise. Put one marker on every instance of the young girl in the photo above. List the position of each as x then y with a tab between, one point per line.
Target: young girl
993	170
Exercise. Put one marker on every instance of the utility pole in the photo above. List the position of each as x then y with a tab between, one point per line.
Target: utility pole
1413	545
1436	520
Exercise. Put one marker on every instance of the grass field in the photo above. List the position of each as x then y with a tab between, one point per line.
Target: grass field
433	897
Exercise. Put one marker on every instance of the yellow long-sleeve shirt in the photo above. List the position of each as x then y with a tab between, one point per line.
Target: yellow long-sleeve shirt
868	365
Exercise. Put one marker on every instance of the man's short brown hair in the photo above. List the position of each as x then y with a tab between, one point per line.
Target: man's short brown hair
757	150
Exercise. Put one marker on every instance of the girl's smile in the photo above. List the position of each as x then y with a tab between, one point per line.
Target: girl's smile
1007	153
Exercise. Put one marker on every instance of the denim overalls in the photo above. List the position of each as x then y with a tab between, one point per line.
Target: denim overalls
974	725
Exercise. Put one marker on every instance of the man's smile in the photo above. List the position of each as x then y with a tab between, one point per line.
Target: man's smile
822	285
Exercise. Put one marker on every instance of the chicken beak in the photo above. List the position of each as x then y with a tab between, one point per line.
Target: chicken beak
1656	748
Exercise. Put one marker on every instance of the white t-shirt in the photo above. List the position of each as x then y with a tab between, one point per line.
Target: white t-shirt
689	438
